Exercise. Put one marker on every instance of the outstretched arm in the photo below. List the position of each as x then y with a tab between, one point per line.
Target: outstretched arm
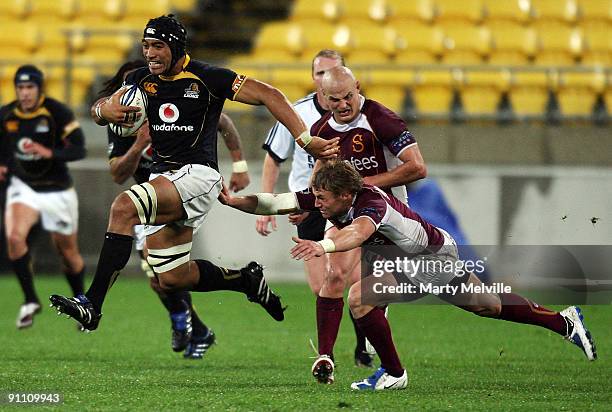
350	237
261	203
257	93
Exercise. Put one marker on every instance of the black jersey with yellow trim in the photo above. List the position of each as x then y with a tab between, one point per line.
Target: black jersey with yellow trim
53	125
183	111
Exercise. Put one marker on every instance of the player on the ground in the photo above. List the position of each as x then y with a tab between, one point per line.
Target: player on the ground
185	100
378	144
131	157
367	215
279	146
38	135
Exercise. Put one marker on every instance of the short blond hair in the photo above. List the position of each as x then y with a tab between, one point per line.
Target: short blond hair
337	177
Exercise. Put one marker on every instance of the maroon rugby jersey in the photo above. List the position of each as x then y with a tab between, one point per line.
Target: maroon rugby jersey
396	224
372	142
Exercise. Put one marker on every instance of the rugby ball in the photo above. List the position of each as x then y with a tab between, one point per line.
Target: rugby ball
133	96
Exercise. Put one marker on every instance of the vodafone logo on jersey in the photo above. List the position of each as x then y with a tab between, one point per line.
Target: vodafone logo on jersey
168	112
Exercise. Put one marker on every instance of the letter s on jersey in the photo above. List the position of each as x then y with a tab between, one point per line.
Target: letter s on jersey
358	145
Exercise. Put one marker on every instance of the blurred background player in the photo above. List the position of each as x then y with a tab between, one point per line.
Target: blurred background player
38	135
132	157
378	144
279	146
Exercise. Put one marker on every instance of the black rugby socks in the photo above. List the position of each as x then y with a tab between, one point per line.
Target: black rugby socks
115	254
25	273
75	280
213	277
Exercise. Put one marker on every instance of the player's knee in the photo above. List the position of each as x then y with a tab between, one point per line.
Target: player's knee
354	298
155	285
334	283
167	282
16	245
143	199
123	210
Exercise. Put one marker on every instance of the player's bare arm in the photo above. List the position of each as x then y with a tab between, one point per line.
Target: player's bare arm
240	175
269	177
257	93
123	167
350	237
413	168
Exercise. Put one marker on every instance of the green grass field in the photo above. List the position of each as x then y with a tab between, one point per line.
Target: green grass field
455	360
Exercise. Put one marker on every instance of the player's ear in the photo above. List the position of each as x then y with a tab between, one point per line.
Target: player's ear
357	85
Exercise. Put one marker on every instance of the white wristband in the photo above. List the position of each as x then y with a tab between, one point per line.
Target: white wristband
328	245
304	139
240	166
98	111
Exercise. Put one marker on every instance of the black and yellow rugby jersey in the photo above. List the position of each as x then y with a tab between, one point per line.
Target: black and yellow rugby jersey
52	124
183	112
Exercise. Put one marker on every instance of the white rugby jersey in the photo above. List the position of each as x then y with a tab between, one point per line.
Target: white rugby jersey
280	144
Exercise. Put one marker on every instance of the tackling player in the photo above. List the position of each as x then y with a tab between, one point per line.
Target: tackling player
38	135
185	100
367	215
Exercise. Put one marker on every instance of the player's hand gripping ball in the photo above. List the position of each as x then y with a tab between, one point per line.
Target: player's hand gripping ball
133	96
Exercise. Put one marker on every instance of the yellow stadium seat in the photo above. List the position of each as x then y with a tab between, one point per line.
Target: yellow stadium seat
283	39
363	11
433	91
405	12
466	44
49	11
578	92
372	44
481	91
387	86
529	93
136	13
559	45
452	11
252	72
390	97
297	76
512	44
388	76
294	91
596	10
325	36
183	5
15	9
597	46
316	11
100	10
19	40
518	11
422	44
80	81
565	11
